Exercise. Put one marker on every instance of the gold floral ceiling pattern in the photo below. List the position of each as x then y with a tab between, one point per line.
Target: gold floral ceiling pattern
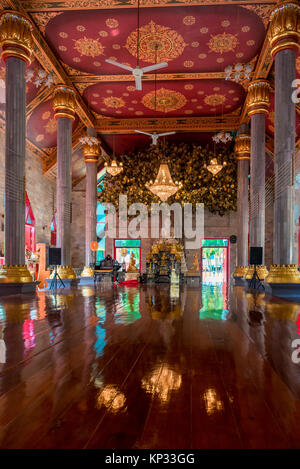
164	100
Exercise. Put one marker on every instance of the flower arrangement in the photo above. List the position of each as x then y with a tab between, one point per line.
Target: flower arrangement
187	163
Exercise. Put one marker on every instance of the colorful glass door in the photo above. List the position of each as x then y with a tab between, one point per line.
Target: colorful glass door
214	261
29	226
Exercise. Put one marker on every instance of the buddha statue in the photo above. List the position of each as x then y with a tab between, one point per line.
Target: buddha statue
195	266
132	267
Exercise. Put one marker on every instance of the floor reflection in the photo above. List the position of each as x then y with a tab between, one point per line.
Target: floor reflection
155	366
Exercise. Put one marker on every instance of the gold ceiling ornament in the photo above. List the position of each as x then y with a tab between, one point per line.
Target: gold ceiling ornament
163	186
165	100
16	36
15	274
88	46
258	99
64	102
242	147
215	99
91	148
224	42
156	42
284	30
283	274
214	167
113	168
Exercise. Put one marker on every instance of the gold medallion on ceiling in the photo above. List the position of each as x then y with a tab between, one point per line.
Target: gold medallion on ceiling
166	100
215	99
88	46
113	101
15	36
225	42
51	126
156	40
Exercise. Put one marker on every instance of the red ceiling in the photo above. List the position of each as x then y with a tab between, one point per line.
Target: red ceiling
173	98
190	39
42	126
122	144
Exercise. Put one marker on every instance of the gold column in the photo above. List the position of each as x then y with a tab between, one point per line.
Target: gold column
17	46
64	104
284	30
258	99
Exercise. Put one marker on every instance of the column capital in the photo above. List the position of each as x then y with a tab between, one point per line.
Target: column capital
258	99
284	31
242	147
15	35
64	102
91	149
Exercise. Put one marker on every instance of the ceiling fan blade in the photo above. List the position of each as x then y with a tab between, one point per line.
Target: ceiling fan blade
144	133
151	68
166	133
138	82
112	62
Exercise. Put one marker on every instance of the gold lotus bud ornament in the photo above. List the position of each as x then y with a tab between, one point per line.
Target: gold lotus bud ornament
90	149
284	30
258	100
242	147
64	102
15	36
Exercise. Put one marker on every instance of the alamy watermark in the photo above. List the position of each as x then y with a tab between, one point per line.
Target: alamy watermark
137	221
296	92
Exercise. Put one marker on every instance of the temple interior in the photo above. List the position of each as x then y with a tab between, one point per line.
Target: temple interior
150	224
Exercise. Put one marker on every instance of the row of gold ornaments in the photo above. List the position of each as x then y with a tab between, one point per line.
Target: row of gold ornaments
277	273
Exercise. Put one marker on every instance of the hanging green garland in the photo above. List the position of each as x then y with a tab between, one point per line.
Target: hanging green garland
186	163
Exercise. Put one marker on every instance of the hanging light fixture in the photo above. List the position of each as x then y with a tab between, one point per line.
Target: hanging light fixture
214	167
238	72
114	168
163	185
41	78
223	137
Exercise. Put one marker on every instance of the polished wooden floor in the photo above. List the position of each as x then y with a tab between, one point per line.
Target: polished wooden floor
148	367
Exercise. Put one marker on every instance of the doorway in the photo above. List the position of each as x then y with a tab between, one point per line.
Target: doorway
214	261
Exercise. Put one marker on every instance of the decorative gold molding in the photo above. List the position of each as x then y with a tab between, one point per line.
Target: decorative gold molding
64	102
284	30
258	99
187	124
91	152
242	147
15	35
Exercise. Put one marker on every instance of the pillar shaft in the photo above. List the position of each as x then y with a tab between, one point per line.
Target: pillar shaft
257	181
285	73
15	161
64	187
243	212
90	211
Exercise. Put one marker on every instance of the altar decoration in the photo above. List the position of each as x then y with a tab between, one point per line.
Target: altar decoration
187	165
133	272
163	262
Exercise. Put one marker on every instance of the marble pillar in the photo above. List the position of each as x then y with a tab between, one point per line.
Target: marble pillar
258	103
242	153
90	151
16	43
284	37
64	107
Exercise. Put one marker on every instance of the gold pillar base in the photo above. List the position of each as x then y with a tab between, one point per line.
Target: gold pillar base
15	274
87	272
65	271
283	274
261	271
240	271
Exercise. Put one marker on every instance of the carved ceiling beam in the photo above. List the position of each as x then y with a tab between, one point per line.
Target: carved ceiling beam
192	124
91	79
42	96
58	5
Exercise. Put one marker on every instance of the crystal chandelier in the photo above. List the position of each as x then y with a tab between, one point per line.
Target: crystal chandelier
113	168
163	185
223	137
238	72
214	167
42	78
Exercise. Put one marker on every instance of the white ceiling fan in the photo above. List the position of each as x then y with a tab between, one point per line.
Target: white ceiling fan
138	72
155	136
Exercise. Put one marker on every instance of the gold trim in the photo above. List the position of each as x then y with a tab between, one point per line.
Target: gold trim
258	99
16	36
64	102
284	31
242	147
15	274
283	274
